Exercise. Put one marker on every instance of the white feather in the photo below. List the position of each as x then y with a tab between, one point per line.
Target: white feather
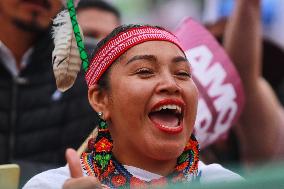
65	56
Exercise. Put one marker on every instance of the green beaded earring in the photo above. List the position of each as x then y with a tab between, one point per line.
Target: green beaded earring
102	147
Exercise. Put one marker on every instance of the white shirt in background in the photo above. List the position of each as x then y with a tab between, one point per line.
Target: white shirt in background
9	60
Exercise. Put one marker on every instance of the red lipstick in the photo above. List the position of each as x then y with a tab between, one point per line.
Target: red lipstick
167	114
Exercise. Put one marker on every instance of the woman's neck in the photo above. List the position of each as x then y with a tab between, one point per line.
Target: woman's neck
160	167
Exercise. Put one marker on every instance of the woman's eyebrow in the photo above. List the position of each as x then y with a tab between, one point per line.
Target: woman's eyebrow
151	58
179	59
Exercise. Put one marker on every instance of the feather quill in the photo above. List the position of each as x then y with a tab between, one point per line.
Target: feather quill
65	56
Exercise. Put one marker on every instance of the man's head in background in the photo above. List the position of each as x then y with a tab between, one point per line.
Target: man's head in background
97	18
29	15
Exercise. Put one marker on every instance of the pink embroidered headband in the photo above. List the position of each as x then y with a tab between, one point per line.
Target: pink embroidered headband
120	44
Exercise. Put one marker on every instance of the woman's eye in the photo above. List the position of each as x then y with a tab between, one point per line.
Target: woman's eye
144	71
184	74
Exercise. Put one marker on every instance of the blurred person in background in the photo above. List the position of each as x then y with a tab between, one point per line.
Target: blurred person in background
263	116
260	131
27	92
97	19
37	122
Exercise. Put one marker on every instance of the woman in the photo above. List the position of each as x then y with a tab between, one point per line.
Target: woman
140	83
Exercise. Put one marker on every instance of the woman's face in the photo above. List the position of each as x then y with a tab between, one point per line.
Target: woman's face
152	102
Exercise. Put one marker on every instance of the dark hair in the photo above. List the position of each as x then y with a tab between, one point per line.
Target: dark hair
103	82
99	4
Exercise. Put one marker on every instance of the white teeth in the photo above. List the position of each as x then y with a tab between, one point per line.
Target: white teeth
169	107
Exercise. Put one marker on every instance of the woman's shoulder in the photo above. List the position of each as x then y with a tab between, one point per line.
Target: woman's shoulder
216	173
53	178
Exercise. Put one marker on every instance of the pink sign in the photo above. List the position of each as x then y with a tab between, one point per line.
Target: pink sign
221	96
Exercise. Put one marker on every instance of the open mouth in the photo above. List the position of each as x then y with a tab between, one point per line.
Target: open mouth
42	3
167	116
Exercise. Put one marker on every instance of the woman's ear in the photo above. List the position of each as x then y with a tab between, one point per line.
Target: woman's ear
99	100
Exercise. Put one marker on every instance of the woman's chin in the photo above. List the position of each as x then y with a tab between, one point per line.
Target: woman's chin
166	152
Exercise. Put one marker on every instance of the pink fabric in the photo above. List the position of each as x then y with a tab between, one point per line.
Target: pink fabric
221	96
121	43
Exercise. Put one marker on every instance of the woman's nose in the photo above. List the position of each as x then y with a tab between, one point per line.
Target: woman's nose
168	84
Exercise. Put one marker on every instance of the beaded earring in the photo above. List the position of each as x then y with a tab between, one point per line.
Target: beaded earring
102	152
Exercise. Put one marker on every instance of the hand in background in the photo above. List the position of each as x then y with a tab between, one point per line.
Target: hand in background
263	115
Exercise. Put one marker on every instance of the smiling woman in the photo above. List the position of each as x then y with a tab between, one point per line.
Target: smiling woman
140	83
158	90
